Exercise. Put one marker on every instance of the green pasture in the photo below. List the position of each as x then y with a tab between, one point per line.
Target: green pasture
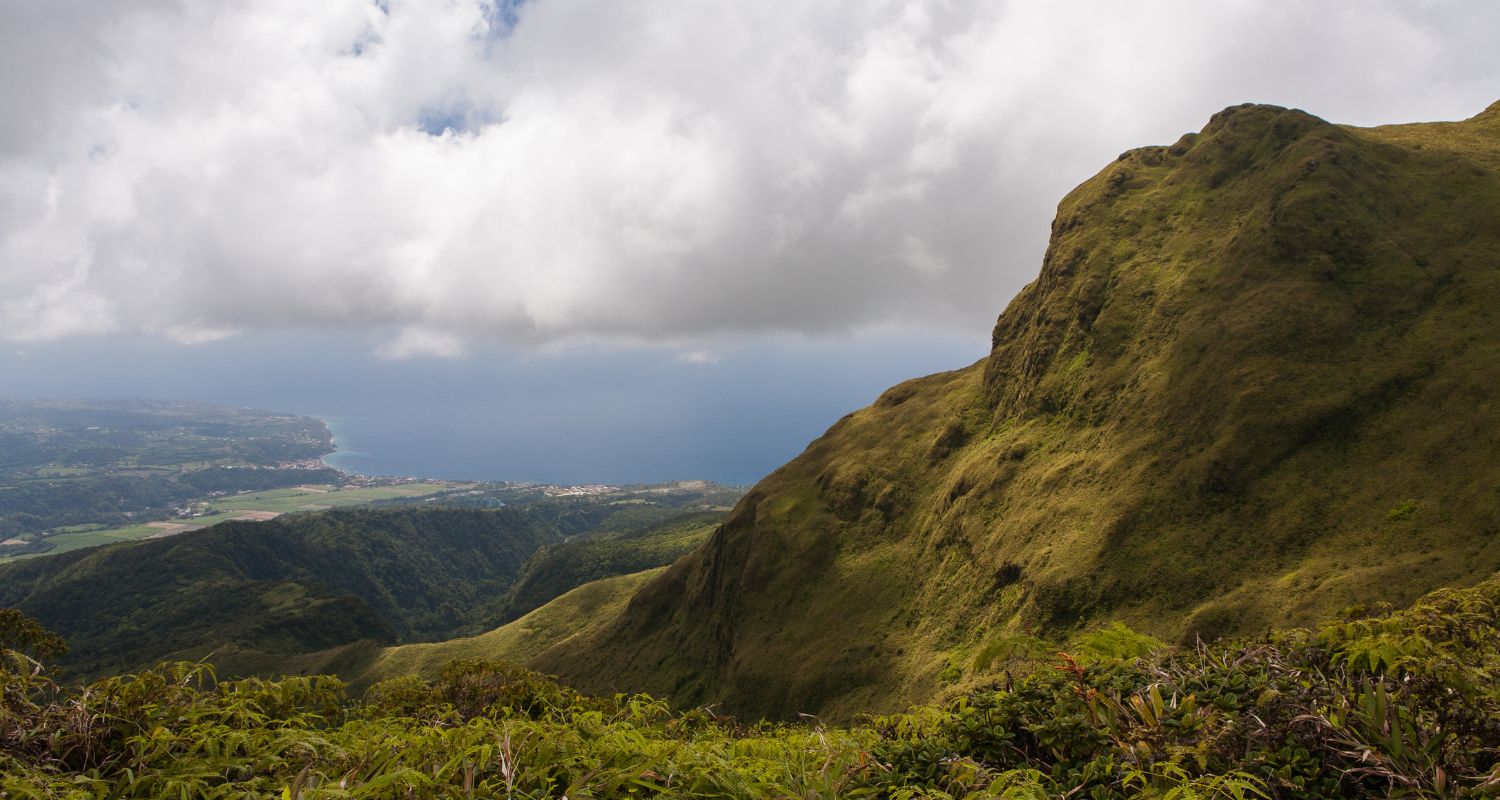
299	498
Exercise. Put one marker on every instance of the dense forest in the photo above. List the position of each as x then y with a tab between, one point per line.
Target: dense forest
289	585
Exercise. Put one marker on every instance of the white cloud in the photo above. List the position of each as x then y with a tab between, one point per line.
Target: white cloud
198	334
640	171
415	342
702	358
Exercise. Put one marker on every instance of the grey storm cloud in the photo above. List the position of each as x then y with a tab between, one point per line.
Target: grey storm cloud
454	170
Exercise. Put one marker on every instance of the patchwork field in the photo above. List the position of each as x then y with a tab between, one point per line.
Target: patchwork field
260	505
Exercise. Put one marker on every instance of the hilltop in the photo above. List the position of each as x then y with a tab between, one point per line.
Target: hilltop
1254	383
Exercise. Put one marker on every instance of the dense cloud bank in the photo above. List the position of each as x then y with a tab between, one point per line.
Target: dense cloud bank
660	172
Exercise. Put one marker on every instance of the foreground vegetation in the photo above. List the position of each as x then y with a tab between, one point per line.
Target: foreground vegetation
1397	704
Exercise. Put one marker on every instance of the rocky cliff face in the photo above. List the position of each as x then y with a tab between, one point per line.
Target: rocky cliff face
1255	381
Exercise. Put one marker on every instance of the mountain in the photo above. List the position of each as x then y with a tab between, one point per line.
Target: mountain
251	595
577	612
565	590
331	591
557	568
1255	381
562	590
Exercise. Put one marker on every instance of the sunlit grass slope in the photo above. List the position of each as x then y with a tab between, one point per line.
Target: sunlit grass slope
556	568
576	612
1255	381
565	590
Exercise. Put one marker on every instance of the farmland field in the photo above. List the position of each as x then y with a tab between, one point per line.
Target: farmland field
316	498
249	505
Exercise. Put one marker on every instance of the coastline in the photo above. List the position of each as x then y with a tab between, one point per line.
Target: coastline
338	438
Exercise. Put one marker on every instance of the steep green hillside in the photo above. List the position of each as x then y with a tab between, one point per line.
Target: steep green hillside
564	590
254	593
555	569
1255	381
579	611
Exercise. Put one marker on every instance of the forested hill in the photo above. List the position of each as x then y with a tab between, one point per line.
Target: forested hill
1257	380
244	590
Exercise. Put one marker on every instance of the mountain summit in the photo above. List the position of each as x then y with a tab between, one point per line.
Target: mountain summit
1254	383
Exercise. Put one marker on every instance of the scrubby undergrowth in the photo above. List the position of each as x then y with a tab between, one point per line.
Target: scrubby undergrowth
1386	704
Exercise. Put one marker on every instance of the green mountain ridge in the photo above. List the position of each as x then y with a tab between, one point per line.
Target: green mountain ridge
579	611
564	590
557	568
253	595
339	591
1253	383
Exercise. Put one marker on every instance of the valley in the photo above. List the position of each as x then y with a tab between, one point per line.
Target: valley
264	597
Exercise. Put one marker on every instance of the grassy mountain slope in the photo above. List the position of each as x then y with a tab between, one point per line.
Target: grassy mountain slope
577	612
254	593
558	568
1254	382
565	590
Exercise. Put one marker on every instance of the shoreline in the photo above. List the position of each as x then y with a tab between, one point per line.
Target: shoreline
334	426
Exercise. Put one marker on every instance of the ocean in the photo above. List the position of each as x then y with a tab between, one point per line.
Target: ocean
570	416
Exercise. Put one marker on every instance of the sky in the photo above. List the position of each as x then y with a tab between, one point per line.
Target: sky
691	210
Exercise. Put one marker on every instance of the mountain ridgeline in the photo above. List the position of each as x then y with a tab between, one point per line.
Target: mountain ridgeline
1254	383
251	594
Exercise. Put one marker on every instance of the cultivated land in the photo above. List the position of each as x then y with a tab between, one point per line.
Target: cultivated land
78	474
250	506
